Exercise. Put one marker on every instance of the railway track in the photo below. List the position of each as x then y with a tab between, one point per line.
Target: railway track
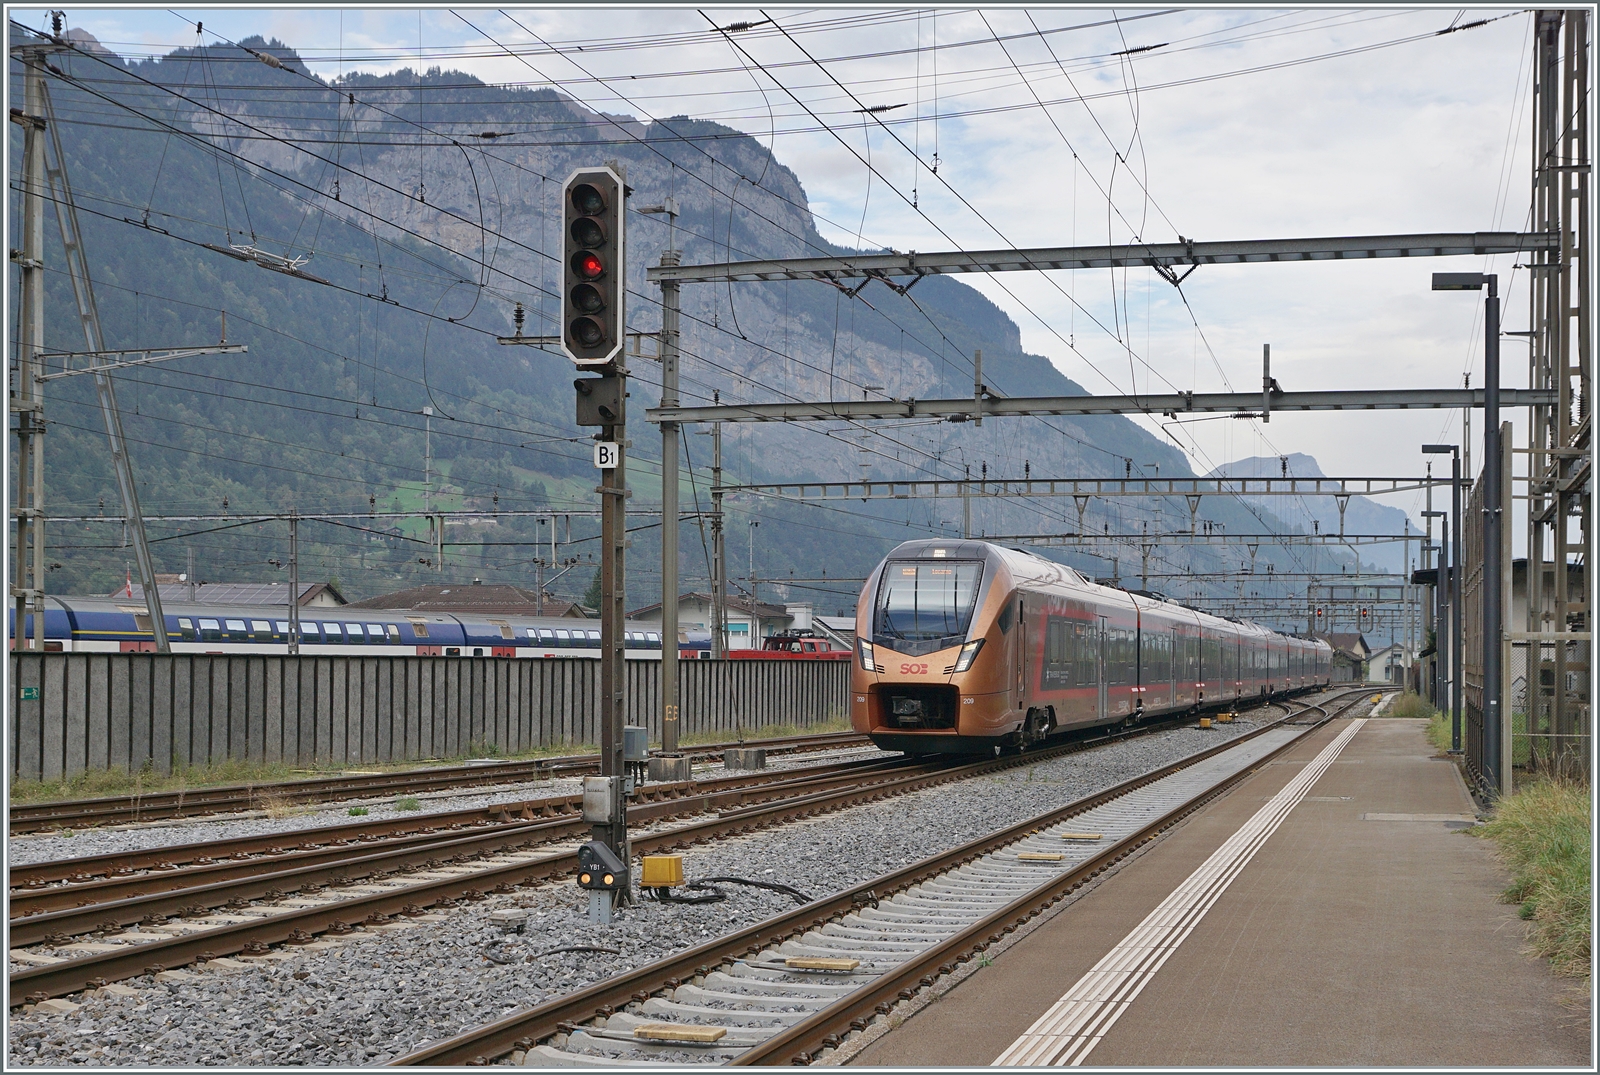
221	912
205	883
198	802
167	857
788	989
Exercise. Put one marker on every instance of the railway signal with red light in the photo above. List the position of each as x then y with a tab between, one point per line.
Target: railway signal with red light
594	270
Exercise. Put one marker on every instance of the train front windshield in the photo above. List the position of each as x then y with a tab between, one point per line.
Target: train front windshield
926	603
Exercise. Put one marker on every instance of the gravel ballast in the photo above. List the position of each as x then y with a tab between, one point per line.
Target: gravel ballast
382	994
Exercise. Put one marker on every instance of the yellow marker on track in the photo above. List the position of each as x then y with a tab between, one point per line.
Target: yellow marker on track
680	1032
820	963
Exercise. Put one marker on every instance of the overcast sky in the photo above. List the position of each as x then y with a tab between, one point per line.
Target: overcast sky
1243	123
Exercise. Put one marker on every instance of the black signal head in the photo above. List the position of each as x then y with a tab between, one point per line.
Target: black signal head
588	200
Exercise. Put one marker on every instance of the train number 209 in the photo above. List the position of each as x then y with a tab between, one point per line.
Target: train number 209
913	669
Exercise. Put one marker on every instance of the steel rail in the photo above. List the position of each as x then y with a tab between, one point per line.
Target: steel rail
118	864
160	805
524	1029
118	902
299	926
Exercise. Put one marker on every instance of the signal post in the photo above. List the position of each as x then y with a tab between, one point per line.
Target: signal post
593	333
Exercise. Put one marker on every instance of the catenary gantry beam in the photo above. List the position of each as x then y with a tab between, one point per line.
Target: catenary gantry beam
1164	255
1084	487
1242	404
1184	537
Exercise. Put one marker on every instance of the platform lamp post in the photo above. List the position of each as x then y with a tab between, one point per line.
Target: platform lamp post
1454	451
1492	567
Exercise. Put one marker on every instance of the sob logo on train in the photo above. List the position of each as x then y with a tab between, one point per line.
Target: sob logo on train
913	669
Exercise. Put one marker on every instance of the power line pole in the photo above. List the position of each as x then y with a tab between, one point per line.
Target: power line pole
294	583
27	392
755	622
101	362
669	508
719	562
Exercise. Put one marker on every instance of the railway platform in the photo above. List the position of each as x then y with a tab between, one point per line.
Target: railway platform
1365	930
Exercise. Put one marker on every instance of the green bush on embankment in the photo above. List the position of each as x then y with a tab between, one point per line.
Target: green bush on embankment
1543	832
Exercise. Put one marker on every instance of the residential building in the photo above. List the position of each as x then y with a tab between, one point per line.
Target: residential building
746	620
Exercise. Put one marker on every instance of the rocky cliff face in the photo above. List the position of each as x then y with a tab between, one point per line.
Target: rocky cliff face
431	203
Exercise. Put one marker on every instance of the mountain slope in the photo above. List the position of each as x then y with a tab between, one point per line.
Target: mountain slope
422	235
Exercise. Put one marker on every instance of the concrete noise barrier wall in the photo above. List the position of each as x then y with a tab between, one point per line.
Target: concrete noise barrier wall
71	712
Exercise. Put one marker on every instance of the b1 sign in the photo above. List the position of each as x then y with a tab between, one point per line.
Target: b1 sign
606	455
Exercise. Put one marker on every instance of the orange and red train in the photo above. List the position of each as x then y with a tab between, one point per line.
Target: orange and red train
964	647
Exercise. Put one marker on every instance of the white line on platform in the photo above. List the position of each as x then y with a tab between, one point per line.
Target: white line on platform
1074	1025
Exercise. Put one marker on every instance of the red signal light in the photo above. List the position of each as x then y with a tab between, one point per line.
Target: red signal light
595	269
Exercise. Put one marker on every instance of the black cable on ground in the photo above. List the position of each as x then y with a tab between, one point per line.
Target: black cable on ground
498	952
713	894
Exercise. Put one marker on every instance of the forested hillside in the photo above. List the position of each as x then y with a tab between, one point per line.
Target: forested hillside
410	214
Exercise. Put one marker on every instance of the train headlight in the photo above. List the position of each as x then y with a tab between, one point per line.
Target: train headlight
865	649
969	653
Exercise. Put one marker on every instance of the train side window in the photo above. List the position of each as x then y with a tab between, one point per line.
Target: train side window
333	632
1004	619
546	636
654	638
141	622
283	630
505	628
594	636
309	632
236	630
261	630
186	628
392	631
419	629
563	637
375	632
353	633
210	631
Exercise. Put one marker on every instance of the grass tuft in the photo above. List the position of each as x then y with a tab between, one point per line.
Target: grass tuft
1544	835
1408	707
104	783
407	802
279	805
358	811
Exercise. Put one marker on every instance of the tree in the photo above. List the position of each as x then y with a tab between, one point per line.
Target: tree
591	596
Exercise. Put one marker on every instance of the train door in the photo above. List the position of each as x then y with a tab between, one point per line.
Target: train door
1019	695
1103	708
1176	670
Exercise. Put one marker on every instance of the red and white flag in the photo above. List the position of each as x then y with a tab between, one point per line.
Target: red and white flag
129	573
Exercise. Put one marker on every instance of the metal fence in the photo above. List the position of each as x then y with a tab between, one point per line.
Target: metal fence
71	712
1548	684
